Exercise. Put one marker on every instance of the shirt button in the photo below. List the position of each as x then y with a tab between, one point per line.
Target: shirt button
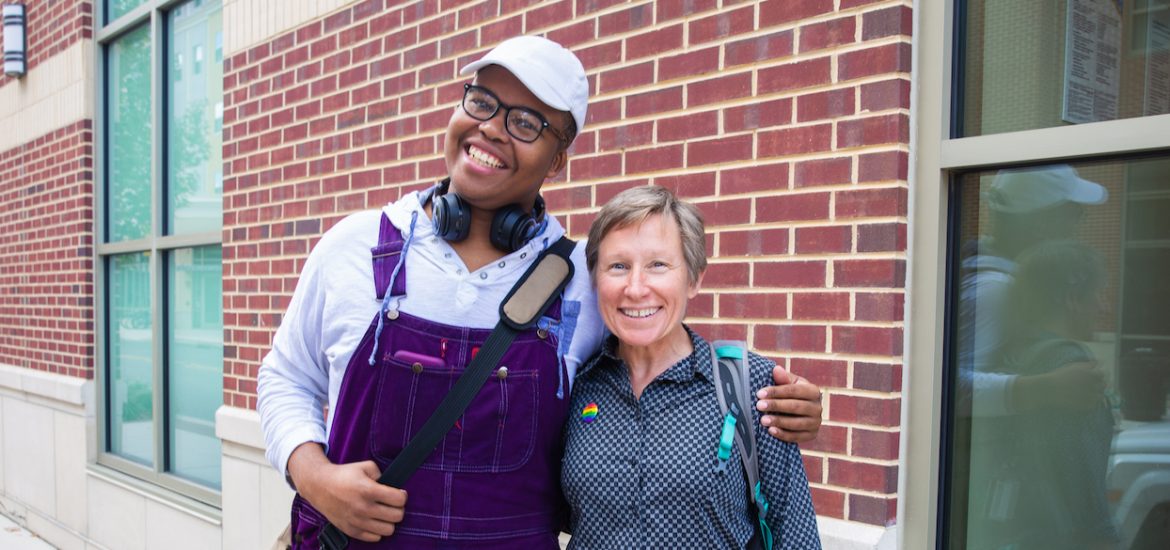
416	368
523	255
502	373
392	314
502	264
458	271
483	275
447	255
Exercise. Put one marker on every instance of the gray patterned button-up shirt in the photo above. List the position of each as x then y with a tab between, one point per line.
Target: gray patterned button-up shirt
642	473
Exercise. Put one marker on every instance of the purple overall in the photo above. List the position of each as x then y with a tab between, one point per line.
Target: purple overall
493	482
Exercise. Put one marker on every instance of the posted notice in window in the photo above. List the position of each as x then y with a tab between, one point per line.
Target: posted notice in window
1157	95
1092	68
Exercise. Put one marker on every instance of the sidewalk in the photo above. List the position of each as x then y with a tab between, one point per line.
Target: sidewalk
14	537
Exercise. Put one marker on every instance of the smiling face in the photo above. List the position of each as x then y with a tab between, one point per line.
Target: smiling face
643	285
488	167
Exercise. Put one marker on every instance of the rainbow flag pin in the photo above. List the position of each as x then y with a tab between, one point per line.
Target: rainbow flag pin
589	413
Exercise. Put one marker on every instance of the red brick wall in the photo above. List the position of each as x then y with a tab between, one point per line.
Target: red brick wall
50	27
786	121
46	253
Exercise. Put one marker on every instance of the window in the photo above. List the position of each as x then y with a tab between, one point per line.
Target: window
1056	62
1037	356
1062	356
1058	368
160	234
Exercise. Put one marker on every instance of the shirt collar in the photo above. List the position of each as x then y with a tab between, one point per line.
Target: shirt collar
698	363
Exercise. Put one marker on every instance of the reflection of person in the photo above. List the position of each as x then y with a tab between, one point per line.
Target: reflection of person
641	472
1028	206
1041	473
443	260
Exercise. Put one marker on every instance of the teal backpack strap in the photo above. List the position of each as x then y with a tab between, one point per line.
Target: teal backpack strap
729	363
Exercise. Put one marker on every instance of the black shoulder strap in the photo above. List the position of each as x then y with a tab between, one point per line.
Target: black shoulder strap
520	310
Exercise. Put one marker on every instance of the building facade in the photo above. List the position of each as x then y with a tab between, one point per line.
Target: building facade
167	165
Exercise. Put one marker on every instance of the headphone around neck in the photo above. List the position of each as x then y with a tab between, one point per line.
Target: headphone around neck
512	226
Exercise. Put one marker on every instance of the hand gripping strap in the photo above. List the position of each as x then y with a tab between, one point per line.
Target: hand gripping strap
540	278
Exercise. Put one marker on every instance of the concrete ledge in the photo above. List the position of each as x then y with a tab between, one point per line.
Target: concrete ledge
256	498
136	488
839	534
66	390
239	426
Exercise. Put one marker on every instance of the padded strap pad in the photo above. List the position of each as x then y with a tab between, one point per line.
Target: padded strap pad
539	286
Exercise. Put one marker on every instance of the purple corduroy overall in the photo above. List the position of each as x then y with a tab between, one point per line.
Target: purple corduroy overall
493	482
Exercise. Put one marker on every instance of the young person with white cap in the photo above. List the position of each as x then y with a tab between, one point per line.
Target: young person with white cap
379	345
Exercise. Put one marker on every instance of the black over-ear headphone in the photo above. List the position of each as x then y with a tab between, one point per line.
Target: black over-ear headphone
512	227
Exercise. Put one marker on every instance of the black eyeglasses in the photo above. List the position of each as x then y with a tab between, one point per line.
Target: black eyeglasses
521	123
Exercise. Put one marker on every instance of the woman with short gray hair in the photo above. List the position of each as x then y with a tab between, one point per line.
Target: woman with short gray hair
640	465
634	206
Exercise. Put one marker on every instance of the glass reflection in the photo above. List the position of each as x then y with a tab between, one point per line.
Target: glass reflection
131	384
1061	367
195	362
1048	63
128	96
118	8
194	118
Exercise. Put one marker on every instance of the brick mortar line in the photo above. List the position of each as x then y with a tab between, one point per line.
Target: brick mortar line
597	71
849	491
67	133
852	458
862	115
798	224
5	248
752	99
882	429
868	394
826	323
49	351
833	355
574	19
857	12
40	173
852	152
794	290
770	259
80	208
717	260
12	226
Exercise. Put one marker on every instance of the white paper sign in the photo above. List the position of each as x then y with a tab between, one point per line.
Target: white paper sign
1092	71
1157	96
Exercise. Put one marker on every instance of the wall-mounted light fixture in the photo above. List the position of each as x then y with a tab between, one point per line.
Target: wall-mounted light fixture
15	56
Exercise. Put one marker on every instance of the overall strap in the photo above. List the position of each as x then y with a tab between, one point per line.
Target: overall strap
386	256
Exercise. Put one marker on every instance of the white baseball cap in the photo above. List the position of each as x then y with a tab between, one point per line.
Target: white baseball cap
1025	190
551	72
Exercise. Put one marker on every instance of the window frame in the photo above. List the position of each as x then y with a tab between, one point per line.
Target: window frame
936	158
155	479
